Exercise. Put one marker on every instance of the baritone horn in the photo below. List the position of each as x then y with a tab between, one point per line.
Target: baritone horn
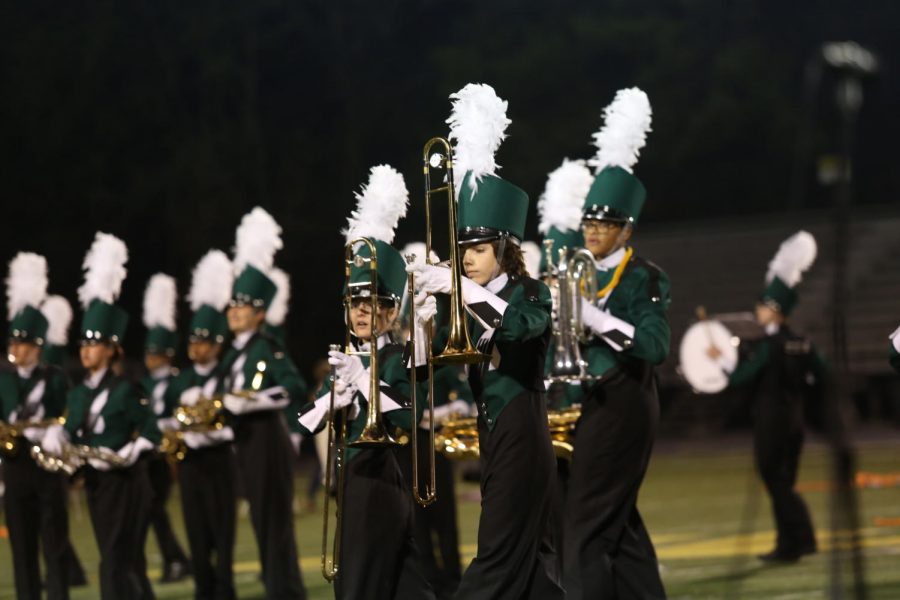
575	277
459	348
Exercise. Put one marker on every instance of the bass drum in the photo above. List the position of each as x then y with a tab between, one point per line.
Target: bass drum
726	332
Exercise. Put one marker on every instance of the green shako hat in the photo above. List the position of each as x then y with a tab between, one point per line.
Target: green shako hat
277	313
160	299
488	207
26	288
58	312
616	194
559	209
795	256
258	238
380	204
104	267
211	285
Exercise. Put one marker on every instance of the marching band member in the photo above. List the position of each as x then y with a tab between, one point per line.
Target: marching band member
59	317
35	500
259	382
559	210
510	318
608	551
782	368
379	559
160	345
107	413
207	475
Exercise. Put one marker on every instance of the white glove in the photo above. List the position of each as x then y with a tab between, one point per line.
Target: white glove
426	307
33	434
167	424
102	465
132	451
441	413
239	405
54	439
349	368
196	440
343	397
603	323
431	279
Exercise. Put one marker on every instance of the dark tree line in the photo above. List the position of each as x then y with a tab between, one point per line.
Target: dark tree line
164	121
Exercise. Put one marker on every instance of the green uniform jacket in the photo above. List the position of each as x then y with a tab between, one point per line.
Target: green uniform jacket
124	416
162	406
395	383
183	381
641	298
266	367
450	384
894	357
19	395
758	357
518	346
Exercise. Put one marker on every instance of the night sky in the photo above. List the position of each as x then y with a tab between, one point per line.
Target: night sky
163	122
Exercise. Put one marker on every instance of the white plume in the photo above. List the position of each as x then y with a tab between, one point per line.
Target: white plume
211	281
257	240
532	253
563	197
478	125
105	270
26	283
418	249
795	255
379	206
58	312
626	124
278	310
160	298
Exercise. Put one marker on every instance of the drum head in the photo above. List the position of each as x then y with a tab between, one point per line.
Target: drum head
701	372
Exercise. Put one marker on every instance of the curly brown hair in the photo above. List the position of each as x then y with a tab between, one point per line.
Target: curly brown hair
513	261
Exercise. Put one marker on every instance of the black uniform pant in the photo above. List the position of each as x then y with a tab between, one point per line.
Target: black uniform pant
207	479
515	558
119	502
265	457
778	440
160	474
441	563
378	559
608	550
35	506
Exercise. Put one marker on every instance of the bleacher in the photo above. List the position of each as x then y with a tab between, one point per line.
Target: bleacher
720	264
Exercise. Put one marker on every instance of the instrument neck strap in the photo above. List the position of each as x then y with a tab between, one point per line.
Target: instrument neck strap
617	274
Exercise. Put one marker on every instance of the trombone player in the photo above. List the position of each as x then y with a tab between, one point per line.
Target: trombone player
375	554
508	313
31	397
608	551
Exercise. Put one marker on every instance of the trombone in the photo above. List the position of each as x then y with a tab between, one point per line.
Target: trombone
374	433
459	348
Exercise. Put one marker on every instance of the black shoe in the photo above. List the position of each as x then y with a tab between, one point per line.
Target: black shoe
787	555
175	571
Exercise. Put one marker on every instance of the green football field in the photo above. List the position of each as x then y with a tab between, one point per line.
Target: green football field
707	516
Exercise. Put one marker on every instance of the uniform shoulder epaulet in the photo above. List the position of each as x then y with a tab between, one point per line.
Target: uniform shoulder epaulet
531	288
275	347
654	273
